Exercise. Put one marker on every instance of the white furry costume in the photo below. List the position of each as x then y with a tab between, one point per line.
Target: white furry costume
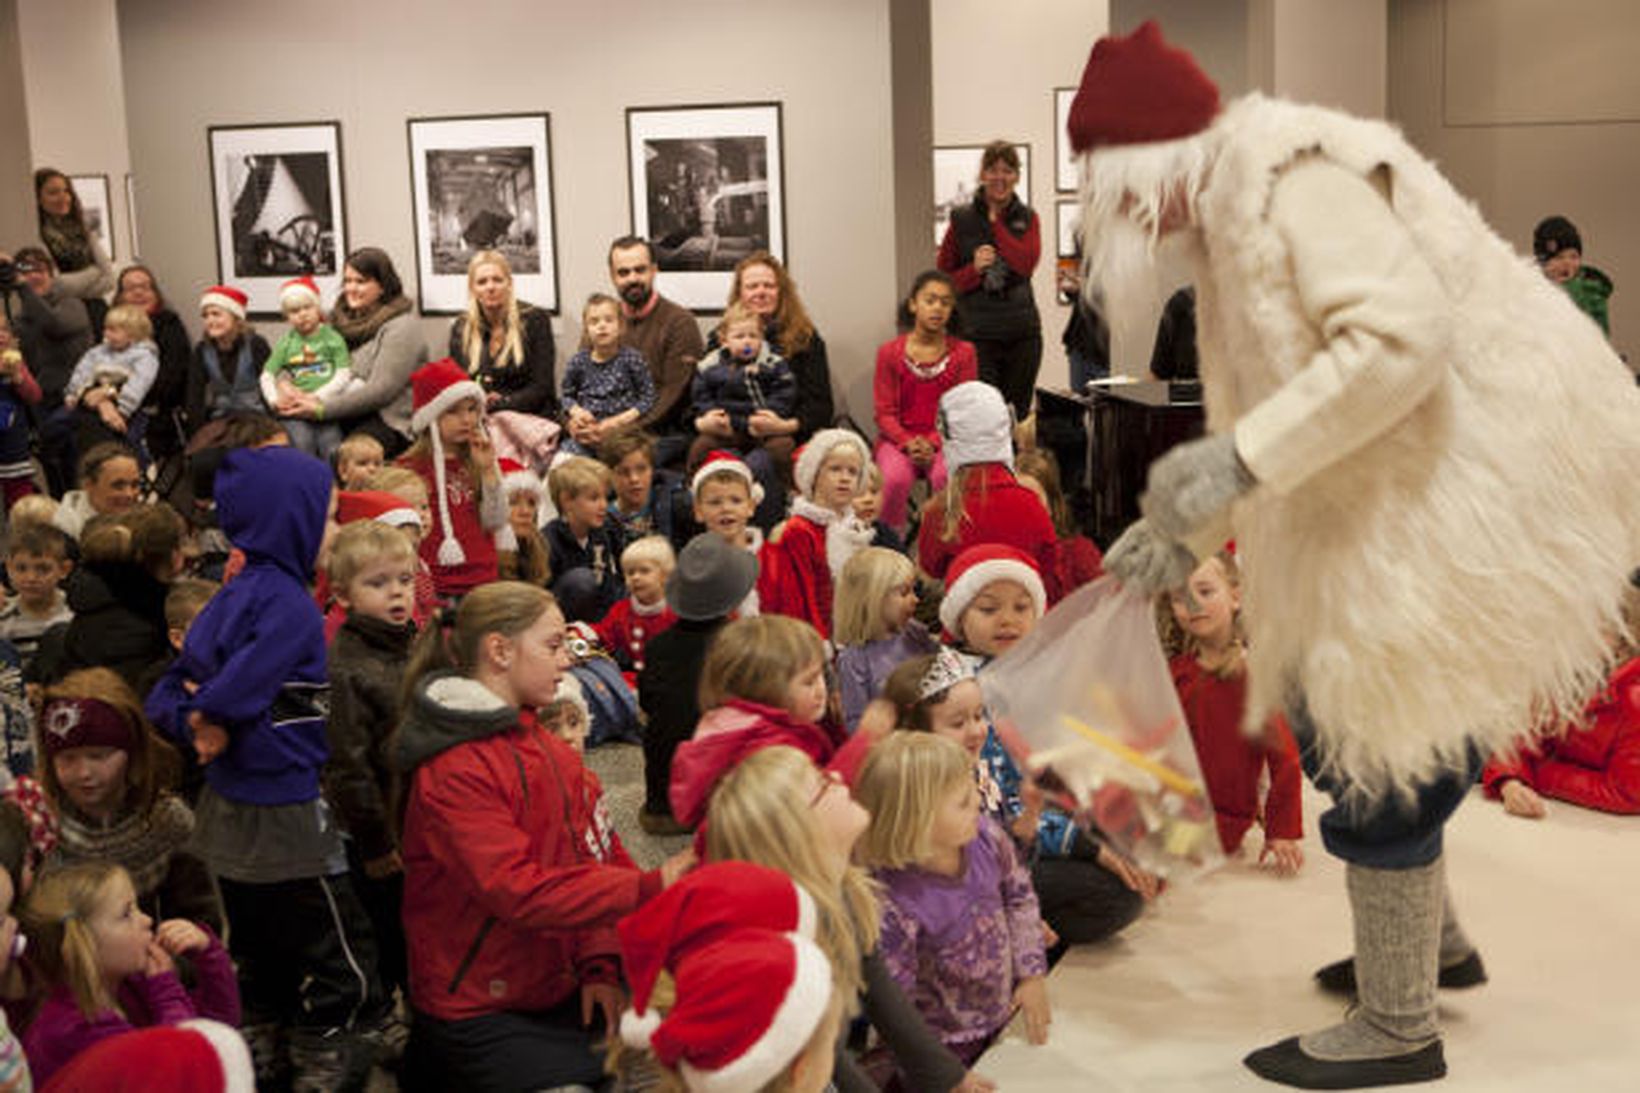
1446	513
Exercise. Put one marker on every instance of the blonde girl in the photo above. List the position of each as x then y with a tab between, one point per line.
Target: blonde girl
961	933
872	625
504	343
455	457
763	683
778	809
107	969
607	385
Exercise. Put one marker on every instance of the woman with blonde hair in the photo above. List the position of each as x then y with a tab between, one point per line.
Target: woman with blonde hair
762	284
505	344
779	810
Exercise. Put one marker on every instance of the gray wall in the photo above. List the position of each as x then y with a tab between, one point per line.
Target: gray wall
17	221
190	64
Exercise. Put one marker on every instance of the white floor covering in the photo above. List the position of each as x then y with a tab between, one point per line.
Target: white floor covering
1223	966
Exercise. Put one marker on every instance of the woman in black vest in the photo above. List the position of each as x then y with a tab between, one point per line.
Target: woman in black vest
990	250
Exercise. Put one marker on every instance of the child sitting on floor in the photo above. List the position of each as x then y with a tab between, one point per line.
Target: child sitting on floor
800	563
645	503
873	628
726	494
527	560
584	550
358	457
868	507
962	934
1202	630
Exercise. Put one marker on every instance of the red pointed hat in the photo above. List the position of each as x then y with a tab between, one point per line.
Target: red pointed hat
1137	90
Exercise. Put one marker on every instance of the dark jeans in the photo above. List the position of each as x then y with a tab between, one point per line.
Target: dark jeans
383	903
502	1052
1391	832
1011	367
305	954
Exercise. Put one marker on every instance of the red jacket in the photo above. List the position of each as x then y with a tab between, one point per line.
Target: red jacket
906	403
512	885
995	509
793	576
1597	764
625	633
730	732
1231	763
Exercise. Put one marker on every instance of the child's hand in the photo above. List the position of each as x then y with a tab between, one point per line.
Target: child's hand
975	1083
1145	883
715	423
1520	799
877	721
157	961
286	389
385	866
178	935
1050	936
482	446
210	739
605	998
1031	996
1285	856
677	865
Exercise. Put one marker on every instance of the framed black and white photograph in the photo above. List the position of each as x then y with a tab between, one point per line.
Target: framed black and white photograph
956	180
707	188
1068	246
131	213
1067	173
92	190
483	184
277	196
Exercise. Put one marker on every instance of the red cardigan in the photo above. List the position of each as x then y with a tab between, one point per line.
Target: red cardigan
995	509
906	403
1231	763
1597	764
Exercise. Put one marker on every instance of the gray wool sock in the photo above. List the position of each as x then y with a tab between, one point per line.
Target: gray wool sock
1398	920
1455	944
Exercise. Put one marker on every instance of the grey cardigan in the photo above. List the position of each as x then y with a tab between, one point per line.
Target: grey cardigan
384	363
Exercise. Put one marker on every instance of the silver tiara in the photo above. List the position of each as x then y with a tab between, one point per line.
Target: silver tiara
949	669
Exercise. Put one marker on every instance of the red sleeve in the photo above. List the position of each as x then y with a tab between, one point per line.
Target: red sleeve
27	386
470	828
1615	789
850	756
609	629
1021	252
1283	805
1500	768
885	393
933	553
967	278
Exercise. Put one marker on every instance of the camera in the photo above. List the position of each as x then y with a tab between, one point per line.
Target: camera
8	273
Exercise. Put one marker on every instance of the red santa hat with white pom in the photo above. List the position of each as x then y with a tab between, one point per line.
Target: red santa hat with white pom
436	388
979	566
719	462
751	985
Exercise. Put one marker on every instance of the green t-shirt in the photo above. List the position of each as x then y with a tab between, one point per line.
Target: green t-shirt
310	363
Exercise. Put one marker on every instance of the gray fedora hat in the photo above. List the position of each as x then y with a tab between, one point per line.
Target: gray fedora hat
711	578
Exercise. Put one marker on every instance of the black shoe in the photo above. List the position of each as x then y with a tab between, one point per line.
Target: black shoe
660	823
1286	1063
1339	977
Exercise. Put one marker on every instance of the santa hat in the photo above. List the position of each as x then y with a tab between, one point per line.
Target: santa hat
378	505
977	567
1140	90
720	461
298	291
976	426
515	477
226	297
435	388
812	455
751	987
195	1056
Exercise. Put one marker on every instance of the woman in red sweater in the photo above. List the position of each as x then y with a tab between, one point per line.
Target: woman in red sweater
1210	672
913	371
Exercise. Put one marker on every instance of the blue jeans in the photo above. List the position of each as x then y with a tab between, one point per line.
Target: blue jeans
1390	832
318	438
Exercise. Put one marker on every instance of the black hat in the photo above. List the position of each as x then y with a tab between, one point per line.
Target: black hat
711	578
1554	235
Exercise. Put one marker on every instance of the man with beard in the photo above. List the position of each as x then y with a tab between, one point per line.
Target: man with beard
1425	456
667	336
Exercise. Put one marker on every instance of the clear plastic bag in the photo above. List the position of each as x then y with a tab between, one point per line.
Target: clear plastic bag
1086	704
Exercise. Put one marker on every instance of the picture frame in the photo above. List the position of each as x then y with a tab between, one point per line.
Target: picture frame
706	187
279	208
1067	172
956	178
1067	247
483	182
131	214
97	207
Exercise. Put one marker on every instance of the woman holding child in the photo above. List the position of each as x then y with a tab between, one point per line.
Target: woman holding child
762	284
376	320
505	344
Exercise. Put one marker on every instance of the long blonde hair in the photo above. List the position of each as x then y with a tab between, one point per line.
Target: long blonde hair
55	917
866	581
761	813
901	783
755	659
472	335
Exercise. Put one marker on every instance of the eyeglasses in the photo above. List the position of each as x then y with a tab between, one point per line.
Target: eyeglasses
828	779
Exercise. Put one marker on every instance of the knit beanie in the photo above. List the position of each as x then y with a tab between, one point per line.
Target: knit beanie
227	298
83	723
1138	89
976	426
1554	235
436	388
810	458
977	567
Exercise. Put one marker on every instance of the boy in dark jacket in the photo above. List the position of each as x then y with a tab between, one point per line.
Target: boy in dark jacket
710	581
248	695
373	576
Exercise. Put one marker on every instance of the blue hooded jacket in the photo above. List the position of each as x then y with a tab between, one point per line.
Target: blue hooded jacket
257	650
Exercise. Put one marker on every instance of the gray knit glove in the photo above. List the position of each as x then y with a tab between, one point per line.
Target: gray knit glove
1194	483
1144	559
